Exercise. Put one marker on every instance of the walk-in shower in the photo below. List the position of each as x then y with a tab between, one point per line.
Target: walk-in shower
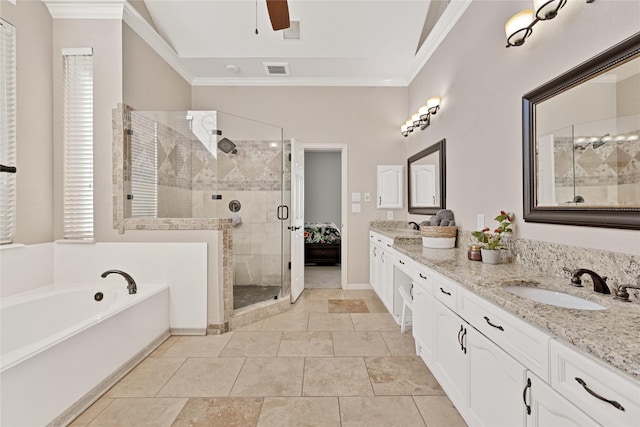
209	164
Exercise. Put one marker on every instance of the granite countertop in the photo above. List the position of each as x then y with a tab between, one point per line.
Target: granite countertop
610	335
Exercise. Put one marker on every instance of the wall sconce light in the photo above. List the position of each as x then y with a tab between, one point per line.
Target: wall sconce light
520	26
422	118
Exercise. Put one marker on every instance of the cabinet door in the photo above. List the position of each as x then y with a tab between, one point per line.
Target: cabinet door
496	382
373	262
386	279
424	324
547	408
451	353
390	184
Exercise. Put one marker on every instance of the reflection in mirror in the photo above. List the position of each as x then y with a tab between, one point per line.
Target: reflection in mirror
426	180
582	143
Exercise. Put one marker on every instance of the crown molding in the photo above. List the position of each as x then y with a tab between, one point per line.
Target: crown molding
297	81
447	21
142	28
85	9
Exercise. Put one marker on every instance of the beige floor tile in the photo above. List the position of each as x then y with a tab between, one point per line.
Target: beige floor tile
306	344
270	377
201	346
140	412
252	344
340	376
251	326
321	294
220	411
352	305
91	412
374	322
399	344
363	343
374	304
387	411
147	378
439	411
162	348
401	376
286	322
300	412
310	306
330	322
203	377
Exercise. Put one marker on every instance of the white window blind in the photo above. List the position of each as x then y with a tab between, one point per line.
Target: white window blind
78	143
7	131
144	167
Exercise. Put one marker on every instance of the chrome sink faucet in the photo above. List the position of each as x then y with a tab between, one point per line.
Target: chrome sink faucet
131	284
599	283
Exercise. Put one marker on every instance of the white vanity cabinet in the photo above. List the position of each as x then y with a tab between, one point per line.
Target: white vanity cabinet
390	185
381	260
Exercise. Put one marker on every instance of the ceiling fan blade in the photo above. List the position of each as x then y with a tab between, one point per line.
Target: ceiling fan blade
279	14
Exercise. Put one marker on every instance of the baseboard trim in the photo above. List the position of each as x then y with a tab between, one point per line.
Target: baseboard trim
188	331
357	286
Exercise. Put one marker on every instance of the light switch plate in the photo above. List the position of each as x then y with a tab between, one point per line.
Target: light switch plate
355	208
355	197
480	222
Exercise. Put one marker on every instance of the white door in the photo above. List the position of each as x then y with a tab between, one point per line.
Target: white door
297	220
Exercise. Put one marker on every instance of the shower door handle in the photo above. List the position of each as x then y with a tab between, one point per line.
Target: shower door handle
8	169
283	212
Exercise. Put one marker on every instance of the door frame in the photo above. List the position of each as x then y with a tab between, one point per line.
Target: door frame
344	201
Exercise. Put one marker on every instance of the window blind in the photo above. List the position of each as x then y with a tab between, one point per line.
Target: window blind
144	167
78	143
7	131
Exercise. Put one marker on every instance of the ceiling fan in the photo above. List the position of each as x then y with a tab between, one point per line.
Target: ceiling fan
279	14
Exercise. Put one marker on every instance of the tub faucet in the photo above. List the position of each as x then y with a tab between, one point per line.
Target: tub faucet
599	283
131	284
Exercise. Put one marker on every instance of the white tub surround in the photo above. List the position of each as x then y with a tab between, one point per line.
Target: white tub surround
62	349
25	267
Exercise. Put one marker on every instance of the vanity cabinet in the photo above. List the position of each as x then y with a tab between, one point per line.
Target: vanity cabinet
381	260
390	185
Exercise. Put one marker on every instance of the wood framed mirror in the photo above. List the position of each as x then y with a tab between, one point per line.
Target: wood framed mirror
426	180
581	143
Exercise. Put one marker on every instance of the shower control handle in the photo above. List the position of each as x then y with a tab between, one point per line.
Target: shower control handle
294	228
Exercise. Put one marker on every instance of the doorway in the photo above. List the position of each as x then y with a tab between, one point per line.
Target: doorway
325	216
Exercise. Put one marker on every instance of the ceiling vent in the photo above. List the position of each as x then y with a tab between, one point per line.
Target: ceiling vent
276	68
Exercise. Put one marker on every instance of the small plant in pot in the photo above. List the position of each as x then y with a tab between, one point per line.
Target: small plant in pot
492	241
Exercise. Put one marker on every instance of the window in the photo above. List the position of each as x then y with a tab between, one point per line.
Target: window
7	132
78	143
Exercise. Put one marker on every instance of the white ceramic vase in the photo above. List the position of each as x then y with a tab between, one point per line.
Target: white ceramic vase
490	256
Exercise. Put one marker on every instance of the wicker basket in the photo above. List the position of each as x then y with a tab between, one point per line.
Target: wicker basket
437	231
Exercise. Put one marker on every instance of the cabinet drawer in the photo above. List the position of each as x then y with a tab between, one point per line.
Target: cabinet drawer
446	292
602	393
380	240
404	264
423	277
524	342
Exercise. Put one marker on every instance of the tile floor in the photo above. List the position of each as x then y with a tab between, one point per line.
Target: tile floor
322	276
315	365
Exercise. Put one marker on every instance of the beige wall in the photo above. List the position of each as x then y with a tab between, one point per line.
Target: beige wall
149	83
35	122
481	84
367	120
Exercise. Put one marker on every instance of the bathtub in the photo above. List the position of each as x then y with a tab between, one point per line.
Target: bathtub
61	348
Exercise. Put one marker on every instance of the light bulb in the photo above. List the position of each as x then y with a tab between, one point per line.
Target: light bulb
433	102
518	24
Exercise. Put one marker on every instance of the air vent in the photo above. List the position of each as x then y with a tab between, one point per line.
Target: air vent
276	68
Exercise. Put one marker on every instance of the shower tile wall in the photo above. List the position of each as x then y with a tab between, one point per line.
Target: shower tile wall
609	173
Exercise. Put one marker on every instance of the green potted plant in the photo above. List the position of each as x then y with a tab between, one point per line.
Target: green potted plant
492	241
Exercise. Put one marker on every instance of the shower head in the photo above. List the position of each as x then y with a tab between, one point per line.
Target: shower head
227	146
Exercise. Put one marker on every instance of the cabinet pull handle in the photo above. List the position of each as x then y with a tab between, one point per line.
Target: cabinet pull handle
459	337
464	337
401	262
444	292
422	276
388	245
491	324
597	396
524	396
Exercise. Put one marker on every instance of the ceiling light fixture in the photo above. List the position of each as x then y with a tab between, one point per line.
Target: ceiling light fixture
422	118
520	26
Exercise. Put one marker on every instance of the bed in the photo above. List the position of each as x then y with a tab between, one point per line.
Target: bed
322	242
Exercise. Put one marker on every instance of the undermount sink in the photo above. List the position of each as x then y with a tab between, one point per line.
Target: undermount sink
558	299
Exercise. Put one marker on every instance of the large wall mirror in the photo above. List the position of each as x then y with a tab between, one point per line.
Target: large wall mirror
581	143
426	180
